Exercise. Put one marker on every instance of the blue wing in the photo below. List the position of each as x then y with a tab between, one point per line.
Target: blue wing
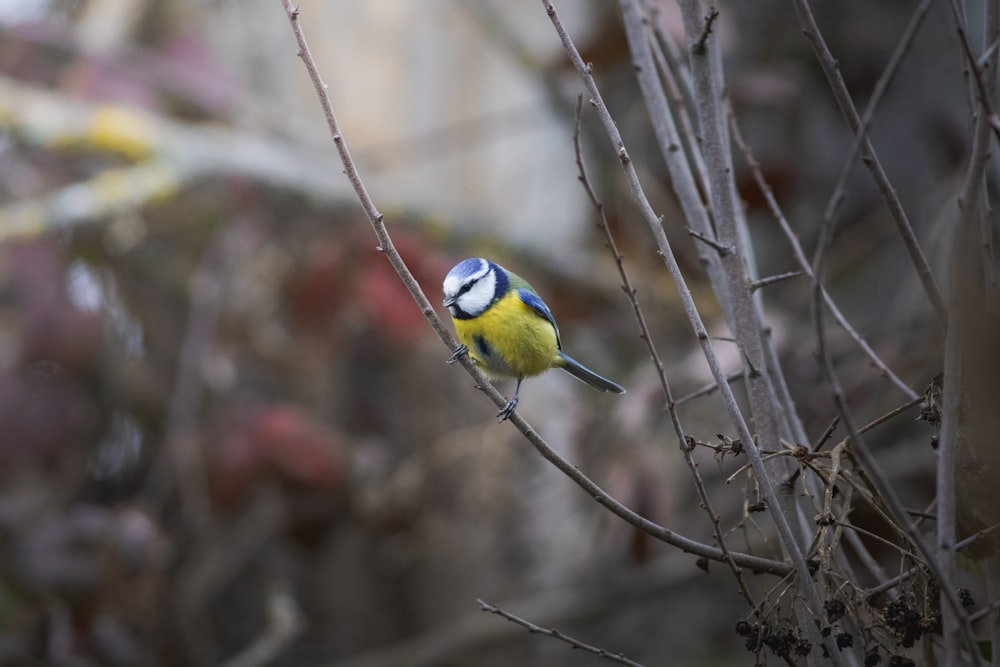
535	302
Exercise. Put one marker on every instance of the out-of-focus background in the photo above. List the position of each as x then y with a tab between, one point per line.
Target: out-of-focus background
228	436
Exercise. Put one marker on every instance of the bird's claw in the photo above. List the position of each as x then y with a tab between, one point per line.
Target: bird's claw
507	410
457	354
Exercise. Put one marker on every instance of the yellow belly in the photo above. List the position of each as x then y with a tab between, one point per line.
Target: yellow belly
510	339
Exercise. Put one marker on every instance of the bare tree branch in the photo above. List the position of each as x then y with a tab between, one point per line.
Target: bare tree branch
870	159
806	266
556	634
682	439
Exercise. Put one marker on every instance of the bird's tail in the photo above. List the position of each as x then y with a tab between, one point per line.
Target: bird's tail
581	372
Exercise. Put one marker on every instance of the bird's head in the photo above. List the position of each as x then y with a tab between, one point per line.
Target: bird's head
472	286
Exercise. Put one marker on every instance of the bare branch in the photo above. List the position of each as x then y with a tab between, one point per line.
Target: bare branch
838	195
771	280
630	292
707	389
720	248
803	262
687	301
556	634
682	440
870	159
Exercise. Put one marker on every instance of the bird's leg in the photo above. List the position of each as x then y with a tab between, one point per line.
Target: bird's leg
457	354
508	408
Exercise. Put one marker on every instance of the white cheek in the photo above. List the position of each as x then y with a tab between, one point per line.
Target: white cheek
451	284
476	300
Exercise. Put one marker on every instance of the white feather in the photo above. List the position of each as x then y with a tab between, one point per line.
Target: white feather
470	287
479	296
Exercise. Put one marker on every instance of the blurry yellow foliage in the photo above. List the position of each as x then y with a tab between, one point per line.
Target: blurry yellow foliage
121	130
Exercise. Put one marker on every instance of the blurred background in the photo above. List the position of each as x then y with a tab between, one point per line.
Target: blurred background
227	434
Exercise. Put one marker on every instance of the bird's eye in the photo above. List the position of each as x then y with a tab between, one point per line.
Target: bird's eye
465	288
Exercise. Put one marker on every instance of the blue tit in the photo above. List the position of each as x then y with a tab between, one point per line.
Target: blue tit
504	325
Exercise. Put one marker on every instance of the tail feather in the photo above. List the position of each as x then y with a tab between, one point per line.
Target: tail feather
581	372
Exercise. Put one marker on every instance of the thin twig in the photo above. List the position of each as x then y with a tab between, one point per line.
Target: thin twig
838	195
832	71
687	301
827	434
869	464
803	262
464	639
983	95
720	248
386	246
906	574
699	46
707	389
771	280
678	81
746	312
556	634
682	440
630	292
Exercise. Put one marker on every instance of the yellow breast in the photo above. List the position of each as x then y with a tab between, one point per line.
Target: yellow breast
510	339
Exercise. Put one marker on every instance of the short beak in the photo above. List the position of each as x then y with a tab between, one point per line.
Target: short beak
448	302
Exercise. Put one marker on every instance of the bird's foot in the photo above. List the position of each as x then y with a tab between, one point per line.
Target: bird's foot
507	410
457	354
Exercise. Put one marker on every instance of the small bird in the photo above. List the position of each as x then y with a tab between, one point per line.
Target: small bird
506	328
